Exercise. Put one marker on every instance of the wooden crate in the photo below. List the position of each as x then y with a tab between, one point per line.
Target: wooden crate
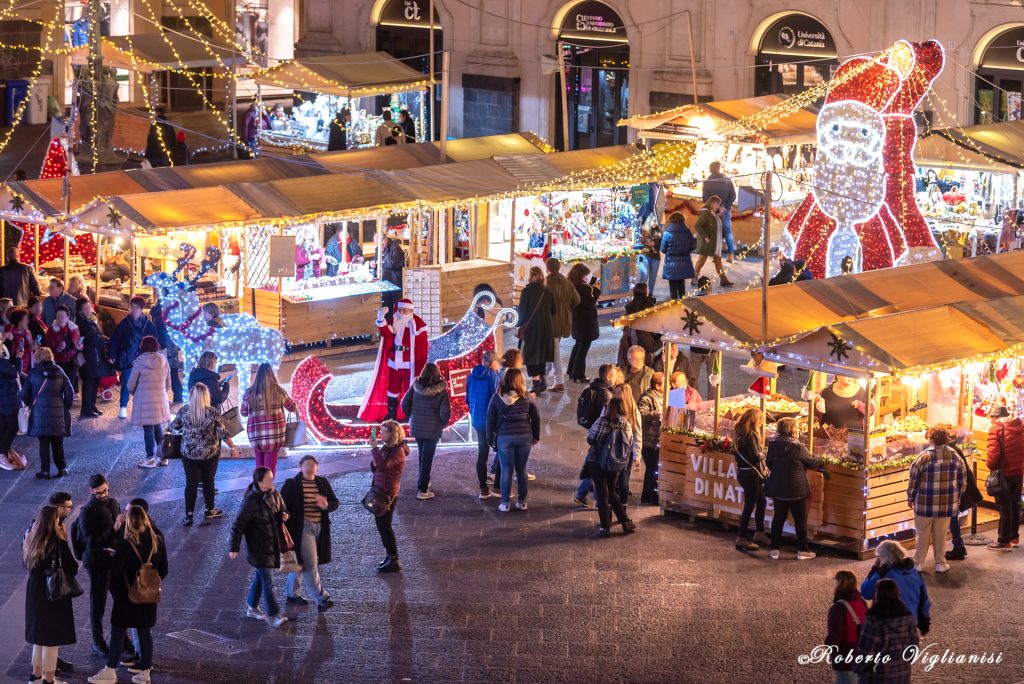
317	321
443	293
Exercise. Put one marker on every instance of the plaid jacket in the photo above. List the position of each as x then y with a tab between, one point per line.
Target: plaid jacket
937	479
889	637
266	428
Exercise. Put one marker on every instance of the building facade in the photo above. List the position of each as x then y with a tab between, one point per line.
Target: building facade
625	57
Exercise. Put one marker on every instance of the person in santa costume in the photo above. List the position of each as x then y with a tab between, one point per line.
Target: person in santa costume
866	136
402	355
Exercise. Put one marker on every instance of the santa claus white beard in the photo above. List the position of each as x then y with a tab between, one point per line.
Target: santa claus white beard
400	322
847	192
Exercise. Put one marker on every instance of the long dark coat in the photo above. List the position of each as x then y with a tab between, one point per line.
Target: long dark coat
584	316
536	314
49	623
94	344
259	525
124	566
291	492
49	393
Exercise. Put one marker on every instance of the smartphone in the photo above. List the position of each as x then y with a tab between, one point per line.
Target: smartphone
373	433
593	280
39	339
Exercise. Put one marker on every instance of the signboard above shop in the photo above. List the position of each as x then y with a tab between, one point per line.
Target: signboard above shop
594	22
411	13
1006	51
798	36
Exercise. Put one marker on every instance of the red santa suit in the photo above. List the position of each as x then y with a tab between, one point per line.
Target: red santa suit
895	233
402	355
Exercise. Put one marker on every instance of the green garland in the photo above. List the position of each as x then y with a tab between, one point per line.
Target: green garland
849	464
706	441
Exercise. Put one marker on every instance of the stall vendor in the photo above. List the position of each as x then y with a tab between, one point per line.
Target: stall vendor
842	404
309	256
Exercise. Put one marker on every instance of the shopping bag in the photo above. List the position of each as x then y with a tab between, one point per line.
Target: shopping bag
295	433
232	421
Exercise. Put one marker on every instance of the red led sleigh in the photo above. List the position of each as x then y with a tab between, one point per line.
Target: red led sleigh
455	352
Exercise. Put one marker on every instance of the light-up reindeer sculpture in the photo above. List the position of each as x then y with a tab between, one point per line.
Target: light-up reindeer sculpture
243	342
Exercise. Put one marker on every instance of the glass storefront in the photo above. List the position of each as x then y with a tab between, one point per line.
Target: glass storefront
998	82
796	53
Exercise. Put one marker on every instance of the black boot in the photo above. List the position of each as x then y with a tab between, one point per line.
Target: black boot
392	409
391	566
387	559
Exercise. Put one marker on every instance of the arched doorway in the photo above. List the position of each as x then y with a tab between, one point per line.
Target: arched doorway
593	39
795	53
999	78
403	31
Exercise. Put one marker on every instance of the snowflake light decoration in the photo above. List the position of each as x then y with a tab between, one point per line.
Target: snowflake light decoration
840	348
691	322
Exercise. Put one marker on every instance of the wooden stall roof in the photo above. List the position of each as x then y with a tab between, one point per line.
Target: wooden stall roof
1001	141
806	306
796	127
46	194
358	75
938	150
160	51
912	341
487	146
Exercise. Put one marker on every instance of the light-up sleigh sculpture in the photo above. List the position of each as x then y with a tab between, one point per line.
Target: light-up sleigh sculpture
455	352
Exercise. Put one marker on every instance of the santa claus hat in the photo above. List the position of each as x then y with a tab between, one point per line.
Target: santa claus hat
874	84
762	387
404	304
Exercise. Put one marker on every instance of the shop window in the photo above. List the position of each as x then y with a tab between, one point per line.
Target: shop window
796	53
998	83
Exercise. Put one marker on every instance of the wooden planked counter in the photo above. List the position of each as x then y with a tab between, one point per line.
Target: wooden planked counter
314	321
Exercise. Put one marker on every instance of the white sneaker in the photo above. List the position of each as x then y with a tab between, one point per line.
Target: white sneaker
164	461
56	680
123	413
423	496
805	555
107	675
503	507
255	613
521	505
277	620
141	678
774	554
148	463
942	567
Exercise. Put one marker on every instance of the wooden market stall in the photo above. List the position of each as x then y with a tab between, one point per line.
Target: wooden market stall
889	330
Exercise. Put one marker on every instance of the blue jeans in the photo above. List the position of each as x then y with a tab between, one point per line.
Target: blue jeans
513	452
586	486
176	388
727	228
649	272
310	575
125	396
846	677
152	435
263	582
954	530
425	448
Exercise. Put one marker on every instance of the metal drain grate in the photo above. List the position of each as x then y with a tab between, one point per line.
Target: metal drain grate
211	642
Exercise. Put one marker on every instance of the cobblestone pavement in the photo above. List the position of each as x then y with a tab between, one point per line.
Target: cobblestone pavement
491	597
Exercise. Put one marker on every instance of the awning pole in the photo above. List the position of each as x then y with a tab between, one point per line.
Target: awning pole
430	134
445	76
99	251
693	58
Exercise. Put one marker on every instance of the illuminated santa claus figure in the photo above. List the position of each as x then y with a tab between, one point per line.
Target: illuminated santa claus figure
861	205
401	357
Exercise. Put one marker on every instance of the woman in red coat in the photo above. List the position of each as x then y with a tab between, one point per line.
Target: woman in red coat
845	617
387	466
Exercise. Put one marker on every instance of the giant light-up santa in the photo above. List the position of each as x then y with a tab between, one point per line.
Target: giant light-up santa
861	203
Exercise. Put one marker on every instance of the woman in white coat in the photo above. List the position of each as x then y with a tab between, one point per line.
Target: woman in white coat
149	384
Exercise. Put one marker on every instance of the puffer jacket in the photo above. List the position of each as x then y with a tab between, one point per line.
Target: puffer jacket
10	389
429	410
49	393
200	442
480	387
259	522
650	406
913	591
510	415
676	244
1006	447
387	467
149	384
789	462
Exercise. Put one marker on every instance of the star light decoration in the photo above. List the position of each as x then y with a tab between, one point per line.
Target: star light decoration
243	342
691	322
455	352
114	218
840	347
862	203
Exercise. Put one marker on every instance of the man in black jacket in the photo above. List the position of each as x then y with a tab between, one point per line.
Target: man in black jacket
101	520
18	280
309	498
588	409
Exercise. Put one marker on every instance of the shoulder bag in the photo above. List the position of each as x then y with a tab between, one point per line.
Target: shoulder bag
295	433
521	330
148	584
232	421
60	584
377	502
760	470
995	483
170	448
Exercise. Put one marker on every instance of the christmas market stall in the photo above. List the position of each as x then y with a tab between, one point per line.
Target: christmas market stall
326	84
874	384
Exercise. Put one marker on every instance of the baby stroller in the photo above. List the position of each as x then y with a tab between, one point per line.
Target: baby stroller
106	388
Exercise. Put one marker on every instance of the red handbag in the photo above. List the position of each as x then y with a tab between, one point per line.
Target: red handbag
287	544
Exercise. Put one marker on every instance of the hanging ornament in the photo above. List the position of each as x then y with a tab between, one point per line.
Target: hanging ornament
17	203
840	348
691	322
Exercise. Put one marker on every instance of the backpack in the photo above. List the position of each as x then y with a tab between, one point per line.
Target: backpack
78	541
587	410
147	585
615	451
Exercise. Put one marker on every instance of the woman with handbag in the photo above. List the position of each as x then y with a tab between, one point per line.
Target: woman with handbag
387	466
134	606
49	616
537	328
1005	459
93	355
49	395
202	430
10	407
260	521
149	383
845	617
751	471
265	403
